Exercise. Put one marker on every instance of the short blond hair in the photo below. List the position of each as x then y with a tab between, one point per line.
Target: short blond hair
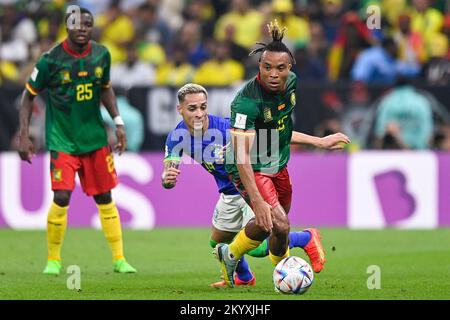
190	88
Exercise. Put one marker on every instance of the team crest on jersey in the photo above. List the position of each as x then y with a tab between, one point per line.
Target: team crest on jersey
293	98
65	76
267	114
99	72
57	175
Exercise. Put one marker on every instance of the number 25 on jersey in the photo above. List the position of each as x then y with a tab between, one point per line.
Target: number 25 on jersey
84	91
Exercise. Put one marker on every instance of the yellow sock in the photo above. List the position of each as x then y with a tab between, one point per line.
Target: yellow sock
56	228
109	217
242	244
275	259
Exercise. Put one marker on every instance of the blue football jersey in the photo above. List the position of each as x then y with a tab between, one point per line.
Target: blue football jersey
207	150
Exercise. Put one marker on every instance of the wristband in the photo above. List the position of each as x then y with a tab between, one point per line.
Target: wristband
118	121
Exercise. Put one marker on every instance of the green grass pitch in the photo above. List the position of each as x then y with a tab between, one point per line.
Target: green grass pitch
177	264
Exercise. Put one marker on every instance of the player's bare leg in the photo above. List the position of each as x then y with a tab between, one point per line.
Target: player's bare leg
56	229
110	220
279	238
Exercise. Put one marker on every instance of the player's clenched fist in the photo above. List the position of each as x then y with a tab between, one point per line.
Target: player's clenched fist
169	177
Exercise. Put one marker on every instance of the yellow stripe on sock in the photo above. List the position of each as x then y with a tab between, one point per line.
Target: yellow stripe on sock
56	229
110	220
276	259
242	244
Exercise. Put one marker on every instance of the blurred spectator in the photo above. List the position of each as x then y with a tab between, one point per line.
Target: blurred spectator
220	70
393	9
116	29
297	28
16	35
247	24
445	30
317	45
411	44
132	72
426	19
376	64
404	119
330	125
177	70
20	26
441	138
51	24
331	19
379	65
353	37
190	37
311	58
356	117
437	69
150	28
308	67
170	11
96	7
133	119
201	11
237	51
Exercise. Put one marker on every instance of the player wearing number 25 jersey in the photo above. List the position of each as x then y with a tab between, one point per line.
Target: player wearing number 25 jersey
75	74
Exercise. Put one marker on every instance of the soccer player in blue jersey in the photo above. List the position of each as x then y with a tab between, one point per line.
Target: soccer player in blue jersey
204	137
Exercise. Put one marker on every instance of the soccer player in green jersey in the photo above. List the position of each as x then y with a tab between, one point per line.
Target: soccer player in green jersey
76	75
262	131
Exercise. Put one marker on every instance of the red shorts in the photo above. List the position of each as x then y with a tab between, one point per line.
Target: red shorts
276	188
95	169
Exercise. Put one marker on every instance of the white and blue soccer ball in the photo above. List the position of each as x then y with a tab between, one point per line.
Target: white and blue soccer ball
293	275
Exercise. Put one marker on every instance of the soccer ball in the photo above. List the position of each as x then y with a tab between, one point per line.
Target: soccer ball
293	275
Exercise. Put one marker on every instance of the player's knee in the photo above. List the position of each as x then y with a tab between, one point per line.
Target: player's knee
61	198
103	198
281	226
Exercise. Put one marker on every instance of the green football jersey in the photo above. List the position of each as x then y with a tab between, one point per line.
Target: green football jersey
74	82
269	114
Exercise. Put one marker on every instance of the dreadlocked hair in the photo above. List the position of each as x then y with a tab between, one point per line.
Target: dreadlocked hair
276	45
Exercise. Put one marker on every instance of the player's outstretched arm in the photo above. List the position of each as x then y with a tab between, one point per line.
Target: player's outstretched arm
242	143
170	174
26	148
109	101
335	141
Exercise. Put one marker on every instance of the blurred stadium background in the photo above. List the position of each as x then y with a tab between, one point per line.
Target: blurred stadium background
386	88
